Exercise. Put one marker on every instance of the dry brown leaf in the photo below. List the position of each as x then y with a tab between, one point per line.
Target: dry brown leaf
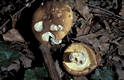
75	17
97	44
121	24
80	78
120	74
15	66
80	5
121	47
83	30
122	11
104	39
13	35
80	31
86	30
116	58
122	61
26	62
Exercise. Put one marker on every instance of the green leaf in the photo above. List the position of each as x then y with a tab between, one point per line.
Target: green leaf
105	73
7	55
36	74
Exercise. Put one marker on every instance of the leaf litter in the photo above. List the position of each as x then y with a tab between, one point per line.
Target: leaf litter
97	23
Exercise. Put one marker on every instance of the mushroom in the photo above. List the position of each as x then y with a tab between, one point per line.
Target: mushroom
52	21
79	59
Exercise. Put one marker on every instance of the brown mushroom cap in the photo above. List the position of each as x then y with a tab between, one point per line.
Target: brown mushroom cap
56	13
85	68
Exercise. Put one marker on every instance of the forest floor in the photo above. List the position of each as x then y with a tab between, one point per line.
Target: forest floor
97	23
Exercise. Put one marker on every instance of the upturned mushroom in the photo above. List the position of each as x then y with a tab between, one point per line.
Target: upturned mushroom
79	59
52	21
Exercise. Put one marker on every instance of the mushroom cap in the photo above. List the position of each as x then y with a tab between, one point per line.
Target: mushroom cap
76	69
53	12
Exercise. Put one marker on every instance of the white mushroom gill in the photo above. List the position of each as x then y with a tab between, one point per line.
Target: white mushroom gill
77	58
46	36
38	27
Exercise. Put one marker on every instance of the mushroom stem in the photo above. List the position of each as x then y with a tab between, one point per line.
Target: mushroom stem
49	62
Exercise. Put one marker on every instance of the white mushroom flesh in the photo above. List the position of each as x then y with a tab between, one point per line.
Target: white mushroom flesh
54	27
77	58
53	41
47	35
71	17
38	27
60	27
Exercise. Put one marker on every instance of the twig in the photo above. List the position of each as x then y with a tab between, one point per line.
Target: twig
4	26
49	62
109	13
16	15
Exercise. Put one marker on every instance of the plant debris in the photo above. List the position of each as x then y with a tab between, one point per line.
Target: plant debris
96	23
7	55
13	35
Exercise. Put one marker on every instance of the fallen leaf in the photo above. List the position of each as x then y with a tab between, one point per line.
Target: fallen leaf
122	11
116	58
104	39
15	66
26	62
83	9
13	35
120	74
121	48
87	29
122	61
80	78
80	31
121	25
92	40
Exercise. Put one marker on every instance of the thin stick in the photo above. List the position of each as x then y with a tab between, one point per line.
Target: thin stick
109	13
16	15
